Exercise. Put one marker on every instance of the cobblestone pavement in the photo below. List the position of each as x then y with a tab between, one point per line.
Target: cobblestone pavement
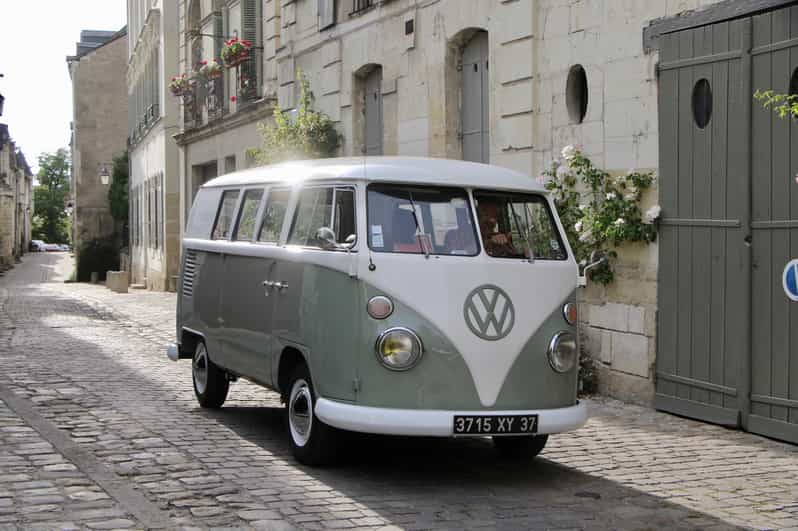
99	430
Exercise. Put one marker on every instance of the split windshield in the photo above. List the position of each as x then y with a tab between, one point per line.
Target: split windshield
420	220
514	225
439	221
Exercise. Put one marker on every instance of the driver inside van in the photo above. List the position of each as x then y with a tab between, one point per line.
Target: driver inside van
496	242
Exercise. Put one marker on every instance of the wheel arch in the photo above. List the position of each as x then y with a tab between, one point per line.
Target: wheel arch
290	358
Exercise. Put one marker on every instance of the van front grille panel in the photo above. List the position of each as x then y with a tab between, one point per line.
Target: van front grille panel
189	270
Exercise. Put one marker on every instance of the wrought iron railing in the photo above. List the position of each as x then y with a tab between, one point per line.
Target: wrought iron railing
361	5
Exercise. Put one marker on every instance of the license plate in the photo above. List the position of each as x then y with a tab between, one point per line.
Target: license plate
495	424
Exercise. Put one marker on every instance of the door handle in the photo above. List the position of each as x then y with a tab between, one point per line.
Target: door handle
280	285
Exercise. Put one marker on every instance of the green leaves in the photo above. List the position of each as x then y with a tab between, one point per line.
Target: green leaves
606	215
307	135
118	191
50	220
783	105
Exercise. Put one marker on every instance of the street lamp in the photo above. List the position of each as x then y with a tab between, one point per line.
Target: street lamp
104	175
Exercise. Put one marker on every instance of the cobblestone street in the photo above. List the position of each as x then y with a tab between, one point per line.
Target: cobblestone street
99	430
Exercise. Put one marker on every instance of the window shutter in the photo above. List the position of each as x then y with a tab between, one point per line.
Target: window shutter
326	14
249	31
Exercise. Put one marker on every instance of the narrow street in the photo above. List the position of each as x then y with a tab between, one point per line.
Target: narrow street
99	430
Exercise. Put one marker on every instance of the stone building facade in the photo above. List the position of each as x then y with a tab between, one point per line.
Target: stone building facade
508	82
99	98
152	123
16	201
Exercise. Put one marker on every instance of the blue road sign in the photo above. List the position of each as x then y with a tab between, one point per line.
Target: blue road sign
790	280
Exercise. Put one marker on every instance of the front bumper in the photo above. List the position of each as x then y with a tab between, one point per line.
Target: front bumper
434	423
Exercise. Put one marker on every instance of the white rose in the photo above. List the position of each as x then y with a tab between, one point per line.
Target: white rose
562	172
652	214
568	152
586	237
582	207
611	196
578	226
618	222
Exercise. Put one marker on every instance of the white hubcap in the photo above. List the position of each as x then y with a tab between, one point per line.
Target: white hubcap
200	368
300	412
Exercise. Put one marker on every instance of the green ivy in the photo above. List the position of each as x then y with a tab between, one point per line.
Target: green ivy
308	135
782	104
606	216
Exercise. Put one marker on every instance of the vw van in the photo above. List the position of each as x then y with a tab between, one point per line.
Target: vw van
386	295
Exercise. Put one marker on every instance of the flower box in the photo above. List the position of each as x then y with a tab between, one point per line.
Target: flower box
210	70
235	51
179	85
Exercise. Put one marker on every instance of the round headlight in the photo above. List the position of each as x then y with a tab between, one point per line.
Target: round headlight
562	352
569	313
399	349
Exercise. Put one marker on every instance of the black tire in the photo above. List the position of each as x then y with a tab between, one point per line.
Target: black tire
522	447
313	442
210	381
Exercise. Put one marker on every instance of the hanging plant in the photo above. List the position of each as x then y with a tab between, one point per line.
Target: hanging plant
210	70
179	85
608	216
235	51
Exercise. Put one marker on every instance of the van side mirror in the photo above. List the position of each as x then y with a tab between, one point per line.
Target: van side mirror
597	259
326	238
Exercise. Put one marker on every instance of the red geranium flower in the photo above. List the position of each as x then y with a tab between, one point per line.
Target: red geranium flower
233	99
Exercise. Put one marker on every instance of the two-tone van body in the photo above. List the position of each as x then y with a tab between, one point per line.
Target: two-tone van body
388	295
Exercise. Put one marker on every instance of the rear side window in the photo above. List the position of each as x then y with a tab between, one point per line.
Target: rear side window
248	214
224	217
273	216
324	218
202	215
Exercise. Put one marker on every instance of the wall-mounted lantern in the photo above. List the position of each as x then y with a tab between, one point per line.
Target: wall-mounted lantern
105	177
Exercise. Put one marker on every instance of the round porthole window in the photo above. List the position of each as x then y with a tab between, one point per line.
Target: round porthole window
702	103
576	94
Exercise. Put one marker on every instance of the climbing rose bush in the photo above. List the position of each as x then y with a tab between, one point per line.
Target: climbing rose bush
603	217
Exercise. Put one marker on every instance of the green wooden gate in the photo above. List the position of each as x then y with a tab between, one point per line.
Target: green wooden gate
727	347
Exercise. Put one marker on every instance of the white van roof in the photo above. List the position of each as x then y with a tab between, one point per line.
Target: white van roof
444	172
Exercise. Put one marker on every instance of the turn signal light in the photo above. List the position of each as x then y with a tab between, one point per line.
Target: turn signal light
569	313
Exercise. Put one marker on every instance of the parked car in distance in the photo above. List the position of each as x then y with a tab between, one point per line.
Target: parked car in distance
37	245
63	247
51	247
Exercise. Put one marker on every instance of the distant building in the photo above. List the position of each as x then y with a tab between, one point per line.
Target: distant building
16	201
152	120
99	128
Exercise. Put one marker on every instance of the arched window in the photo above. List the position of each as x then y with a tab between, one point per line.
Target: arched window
193	31
474	106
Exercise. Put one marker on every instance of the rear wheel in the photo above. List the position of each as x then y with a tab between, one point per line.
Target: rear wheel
312	441
210	381
523	447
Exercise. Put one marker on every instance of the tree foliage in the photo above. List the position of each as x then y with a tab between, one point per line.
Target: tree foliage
117	193
308	134
51	221
783	105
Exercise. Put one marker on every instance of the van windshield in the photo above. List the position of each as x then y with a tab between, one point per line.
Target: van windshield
513	224
418	219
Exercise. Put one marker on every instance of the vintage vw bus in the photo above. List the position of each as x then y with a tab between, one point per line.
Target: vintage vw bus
388	295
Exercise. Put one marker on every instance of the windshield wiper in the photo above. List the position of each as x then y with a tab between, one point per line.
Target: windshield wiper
524	233
419	233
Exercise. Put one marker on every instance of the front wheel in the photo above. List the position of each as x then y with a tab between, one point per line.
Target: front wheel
312	441
210	381
522	447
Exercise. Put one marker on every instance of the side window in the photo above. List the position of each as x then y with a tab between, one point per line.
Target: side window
224	217
273	216
324	208
247	215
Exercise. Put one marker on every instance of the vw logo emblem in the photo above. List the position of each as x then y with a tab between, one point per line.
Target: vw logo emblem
489	312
